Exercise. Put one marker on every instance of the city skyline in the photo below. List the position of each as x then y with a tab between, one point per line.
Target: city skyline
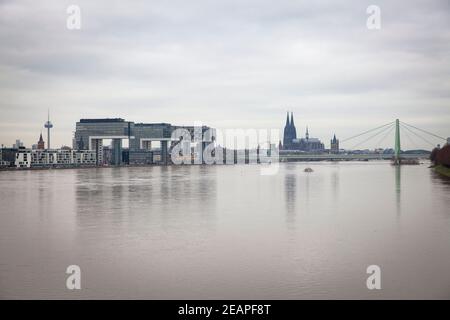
228	65
411	143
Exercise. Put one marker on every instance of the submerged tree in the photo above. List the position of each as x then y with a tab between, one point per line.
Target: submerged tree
433	155
443	156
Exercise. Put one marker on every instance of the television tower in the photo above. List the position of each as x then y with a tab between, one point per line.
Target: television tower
48	125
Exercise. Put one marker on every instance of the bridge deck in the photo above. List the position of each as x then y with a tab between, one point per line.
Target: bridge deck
347	157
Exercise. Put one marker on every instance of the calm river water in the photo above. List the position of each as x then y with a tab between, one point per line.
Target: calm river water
207	232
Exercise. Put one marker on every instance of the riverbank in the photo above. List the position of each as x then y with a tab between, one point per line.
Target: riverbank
443	170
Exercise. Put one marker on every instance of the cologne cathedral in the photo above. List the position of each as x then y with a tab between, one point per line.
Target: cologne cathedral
290	141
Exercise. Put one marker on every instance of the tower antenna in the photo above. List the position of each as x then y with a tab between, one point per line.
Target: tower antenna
48	125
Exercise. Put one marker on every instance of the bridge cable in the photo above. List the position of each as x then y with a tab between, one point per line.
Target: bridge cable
411	140
405	133
385	136
427	132
371	137
404	127
368	131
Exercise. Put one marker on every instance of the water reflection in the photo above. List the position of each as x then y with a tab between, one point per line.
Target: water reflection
45	194
441	182
290	192
335	184
113	196
398	189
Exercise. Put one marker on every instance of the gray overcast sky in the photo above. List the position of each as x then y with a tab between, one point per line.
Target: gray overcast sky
227	63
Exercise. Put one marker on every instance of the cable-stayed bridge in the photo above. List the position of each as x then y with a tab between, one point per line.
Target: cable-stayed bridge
401	129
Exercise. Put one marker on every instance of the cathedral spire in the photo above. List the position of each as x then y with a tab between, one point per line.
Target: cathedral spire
307	133
292	118
287	119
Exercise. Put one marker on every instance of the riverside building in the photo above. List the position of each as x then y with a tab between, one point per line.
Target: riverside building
27	158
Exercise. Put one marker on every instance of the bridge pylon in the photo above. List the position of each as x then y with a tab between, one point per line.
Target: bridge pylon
397	142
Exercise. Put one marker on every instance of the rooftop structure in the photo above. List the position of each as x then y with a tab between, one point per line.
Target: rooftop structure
104	120
18	144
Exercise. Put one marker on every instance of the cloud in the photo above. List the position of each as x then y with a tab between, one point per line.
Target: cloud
226	63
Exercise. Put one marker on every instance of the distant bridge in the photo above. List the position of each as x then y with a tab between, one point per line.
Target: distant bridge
384	131
348	157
